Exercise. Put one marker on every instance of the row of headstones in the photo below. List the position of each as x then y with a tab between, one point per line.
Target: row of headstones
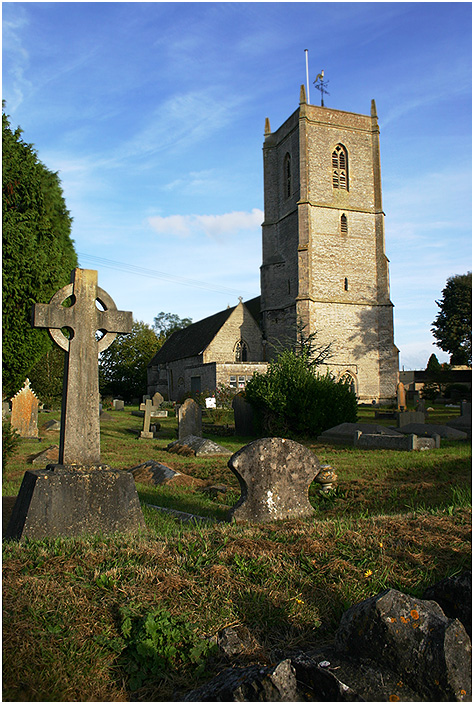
25	405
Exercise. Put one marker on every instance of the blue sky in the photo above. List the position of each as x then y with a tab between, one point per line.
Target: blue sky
153	114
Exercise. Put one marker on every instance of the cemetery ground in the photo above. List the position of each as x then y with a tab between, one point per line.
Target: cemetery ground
132	618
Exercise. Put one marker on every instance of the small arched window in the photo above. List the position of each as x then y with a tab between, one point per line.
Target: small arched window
349	380
343	224
340	168
241	351
287	175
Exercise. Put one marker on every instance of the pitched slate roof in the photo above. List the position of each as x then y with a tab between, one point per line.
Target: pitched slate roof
194	339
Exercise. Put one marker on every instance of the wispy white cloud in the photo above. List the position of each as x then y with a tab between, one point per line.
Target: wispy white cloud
16	57
213	226
181	120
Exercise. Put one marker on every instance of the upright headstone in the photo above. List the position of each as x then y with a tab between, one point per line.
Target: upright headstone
24	417
421	406
78	495
243	416
157	399
466	408
118	404
189	419
401	397
407	417
146	432
274	476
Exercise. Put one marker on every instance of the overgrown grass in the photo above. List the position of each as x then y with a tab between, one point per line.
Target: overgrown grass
399	520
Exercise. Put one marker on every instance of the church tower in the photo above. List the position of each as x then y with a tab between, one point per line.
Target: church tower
324	261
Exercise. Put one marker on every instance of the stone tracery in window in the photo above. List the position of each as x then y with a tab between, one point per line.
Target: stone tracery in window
241	351
340	169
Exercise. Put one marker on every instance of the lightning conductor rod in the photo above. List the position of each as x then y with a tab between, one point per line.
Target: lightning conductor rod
307	77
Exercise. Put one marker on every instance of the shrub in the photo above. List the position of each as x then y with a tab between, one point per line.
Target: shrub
293	399
10	440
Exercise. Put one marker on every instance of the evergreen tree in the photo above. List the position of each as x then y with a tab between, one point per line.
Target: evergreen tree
453	325
38	252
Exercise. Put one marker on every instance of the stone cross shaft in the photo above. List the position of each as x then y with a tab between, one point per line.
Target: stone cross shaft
92	313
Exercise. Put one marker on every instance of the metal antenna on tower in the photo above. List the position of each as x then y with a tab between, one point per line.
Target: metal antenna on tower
307	76
320	84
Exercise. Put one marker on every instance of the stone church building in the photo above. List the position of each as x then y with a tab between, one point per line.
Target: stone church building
323	265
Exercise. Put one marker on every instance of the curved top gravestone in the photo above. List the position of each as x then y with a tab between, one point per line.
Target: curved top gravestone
274	476
92	321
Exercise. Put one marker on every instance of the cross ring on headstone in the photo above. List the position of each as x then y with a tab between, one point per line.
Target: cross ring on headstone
80	430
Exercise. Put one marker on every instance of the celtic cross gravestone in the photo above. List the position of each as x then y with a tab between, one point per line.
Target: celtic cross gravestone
92	322
78	495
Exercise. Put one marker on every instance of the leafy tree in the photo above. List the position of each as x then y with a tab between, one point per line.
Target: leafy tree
452	326
38	252
305	346
291	399
123	365
165	324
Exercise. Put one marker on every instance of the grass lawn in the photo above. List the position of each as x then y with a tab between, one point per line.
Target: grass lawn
128	618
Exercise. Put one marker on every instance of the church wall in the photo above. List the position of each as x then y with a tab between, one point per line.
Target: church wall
361	343
239	326
279	271
336	257
340	271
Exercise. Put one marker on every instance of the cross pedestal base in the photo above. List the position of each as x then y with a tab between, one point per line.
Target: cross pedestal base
69	500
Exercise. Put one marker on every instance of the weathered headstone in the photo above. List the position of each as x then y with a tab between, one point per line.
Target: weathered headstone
274	476
401	397
5	409
421	406
78	495
406	417
243	416
189	419
466	408
24	417
80	429
194	445
118	404
146	432
157	399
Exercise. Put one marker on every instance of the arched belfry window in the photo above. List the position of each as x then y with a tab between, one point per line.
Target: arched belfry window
340	168
287	175
241	351
343	224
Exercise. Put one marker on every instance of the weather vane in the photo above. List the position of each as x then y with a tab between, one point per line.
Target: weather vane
320	84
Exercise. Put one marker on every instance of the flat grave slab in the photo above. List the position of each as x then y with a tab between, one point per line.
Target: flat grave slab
343	434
